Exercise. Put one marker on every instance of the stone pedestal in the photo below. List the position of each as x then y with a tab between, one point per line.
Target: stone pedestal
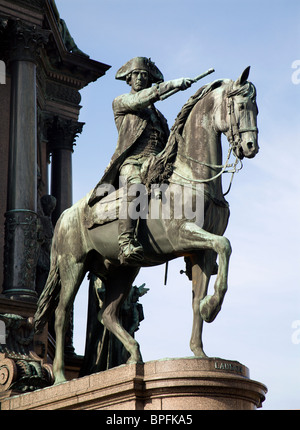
170	384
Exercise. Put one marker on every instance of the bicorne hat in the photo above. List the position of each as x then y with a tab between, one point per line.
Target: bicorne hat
141	63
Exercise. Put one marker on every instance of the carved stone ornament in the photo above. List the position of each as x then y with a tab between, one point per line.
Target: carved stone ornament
61	133
21	369
25	40
8	372
21	234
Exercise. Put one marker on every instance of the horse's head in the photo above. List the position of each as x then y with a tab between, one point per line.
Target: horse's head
238	116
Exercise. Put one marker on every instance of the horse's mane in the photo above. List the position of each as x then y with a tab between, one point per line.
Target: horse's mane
159	168
246	90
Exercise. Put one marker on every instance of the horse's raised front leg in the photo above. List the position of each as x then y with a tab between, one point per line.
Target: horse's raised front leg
202	268
117	288
191	237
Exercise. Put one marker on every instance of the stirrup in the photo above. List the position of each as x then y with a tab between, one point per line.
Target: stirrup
131	253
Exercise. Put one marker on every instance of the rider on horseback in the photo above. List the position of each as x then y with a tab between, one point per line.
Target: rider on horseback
143	131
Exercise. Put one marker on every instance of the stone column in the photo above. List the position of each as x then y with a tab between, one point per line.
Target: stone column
61	134
21	217
61	137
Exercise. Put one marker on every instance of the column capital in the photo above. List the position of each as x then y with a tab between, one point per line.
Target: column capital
61	133
25	40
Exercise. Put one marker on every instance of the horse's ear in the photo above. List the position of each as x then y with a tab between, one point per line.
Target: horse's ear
244	76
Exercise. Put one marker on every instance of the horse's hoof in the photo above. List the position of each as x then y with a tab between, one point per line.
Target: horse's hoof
59	380
199	353
131	360
209	309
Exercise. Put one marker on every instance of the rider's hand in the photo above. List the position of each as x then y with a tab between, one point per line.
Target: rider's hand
182	83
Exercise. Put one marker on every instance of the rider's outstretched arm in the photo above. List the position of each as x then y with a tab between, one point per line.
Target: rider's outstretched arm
135	101
166	89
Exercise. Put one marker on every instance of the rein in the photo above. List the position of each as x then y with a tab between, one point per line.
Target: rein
223	169
234	138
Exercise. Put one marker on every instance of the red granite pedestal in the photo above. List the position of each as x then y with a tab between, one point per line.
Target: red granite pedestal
169	384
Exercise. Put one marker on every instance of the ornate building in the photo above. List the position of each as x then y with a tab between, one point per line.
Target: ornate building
42	72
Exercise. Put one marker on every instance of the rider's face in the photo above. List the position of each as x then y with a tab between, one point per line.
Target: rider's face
139	80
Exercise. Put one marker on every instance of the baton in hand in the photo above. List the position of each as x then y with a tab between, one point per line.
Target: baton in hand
196	79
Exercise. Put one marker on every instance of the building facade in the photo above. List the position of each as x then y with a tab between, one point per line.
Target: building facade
42	73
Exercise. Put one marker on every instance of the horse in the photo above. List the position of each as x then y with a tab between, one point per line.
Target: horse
222	107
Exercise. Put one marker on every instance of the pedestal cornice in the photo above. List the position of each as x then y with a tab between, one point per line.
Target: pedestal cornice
170	384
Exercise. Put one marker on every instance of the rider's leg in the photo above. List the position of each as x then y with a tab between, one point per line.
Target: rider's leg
131	251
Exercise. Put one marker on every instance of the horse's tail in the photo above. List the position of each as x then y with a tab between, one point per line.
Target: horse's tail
49	298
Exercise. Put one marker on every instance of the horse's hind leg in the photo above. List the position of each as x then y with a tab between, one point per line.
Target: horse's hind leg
117	287
71	276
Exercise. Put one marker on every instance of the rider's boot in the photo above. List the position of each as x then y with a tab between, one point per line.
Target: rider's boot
131	251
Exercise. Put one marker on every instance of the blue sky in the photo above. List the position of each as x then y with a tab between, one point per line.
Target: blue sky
261	312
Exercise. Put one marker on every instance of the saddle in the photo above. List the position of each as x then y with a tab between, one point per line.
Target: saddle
104	211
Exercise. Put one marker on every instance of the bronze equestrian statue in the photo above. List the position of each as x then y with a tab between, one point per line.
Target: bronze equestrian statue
84	242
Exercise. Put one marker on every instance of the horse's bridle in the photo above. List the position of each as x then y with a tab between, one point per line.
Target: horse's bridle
234	133
233	136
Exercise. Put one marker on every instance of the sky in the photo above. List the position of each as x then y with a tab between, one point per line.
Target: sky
259	324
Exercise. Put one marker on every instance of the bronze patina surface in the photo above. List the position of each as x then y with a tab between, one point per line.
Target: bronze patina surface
192	158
